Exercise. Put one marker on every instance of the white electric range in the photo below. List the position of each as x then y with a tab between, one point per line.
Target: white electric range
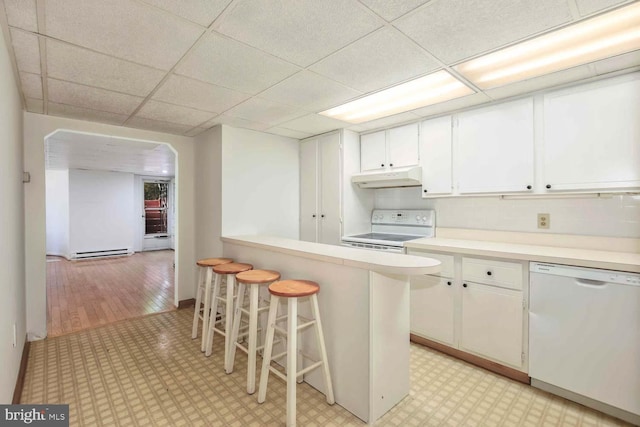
391	228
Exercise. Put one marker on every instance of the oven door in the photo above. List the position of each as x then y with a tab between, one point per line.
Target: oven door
374	247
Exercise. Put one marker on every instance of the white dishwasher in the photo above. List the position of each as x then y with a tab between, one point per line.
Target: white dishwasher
584	336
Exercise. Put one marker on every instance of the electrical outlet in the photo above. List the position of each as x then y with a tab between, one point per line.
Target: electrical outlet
544	219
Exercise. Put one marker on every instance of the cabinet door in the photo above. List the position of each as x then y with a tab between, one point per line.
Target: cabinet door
309	190
495	148
432	308
330	230
592	136
492	323
373	151
435	156
403	145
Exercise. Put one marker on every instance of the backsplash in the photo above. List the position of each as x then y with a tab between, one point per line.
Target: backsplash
615	216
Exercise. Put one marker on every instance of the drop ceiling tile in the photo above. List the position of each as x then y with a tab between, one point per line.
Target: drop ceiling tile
313	124
231	64
173	113
288	132
90	97
75	64
80	113
196	131
392	9
35	105
453	105
27	51
237	123
456	29
31	85
202	12
587	7
122	28
264	111
196	94
22	14
616	63
379	60
310	91
158	126
301	31
542	82
384	122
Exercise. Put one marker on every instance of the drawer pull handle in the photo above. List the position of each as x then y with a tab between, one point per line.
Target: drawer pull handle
464	285
449	283
489	273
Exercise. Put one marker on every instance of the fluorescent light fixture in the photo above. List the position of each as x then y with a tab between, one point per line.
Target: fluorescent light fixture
431	89
607	35
164	171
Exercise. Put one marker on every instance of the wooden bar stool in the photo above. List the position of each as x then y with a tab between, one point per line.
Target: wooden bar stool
205	275
292	290
230	270
254	279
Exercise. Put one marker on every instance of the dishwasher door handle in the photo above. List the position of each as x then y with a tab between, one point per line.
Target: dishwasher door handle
591	283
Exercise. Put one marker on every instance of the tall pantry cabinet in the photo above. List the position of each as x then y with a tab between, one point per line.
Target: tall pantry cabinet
330	205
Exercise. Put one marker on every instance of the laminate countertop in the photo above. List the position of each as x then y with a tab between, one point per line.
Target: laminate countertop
609	260
381	262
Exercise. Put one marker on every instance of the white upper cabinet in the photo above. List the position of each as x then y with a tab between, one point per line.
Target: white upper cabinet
393	148
435	156
592	136
373	151
403	144
495	149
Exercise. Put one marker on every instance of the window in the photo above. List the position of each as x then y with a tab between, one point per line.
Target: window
155	207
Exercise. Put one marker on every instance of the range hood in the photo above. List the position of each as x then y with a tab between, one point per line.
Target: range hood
398	177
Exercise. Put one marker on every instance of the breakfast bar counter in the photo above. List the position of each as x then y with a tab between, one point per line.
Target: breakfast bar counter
364	304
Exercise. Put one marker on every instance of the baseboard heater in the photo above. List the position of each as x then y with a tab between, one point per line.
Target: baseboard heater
102	253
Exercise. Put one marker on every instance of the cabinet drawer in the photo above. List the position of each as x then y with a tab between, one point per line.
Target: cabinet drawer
446	260
497	273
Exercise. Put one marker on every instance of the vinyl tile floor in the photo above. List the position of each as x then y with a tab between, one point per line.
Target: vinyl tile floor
149	372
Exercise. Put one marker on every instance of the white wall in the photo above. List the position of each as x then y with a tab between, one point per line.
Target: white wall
260	184
12	274
615	216
57	194
208	215
101	211
36	127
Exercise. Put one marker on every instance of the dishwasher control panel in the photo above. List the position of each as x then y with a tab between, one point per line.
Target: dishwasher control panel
591	274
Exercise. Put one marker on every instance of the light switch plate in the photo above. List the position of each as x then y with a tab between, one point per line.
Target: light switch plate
544	219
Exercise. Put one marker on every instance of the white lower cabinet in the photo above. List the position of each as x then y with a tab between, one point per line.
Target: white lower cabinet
433	308
484	316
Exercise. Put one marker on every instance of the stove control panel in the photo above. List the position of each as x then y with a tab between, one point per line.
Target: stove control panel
404	217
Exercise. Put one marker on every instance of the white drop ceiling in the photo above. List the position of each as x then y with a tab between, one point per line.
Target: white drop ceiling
185	66
73	150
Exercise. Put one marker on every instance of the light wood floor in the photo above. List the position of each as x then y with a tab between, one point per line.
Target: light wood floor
85	294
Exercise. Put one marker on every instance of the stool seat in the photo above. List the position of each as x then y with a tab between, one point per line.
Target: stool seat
232	268
294	288
212	262
257	276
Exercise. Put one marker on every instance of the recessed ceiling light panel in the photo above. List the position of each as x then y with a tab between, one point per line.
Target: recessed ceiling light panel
431	89
607	35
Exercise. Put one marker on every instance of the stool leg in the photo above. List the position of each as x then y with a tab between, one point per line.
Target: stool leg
214	314
328	386
196	311
292	353
268	348
237	318
207	307
253	337
231	281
